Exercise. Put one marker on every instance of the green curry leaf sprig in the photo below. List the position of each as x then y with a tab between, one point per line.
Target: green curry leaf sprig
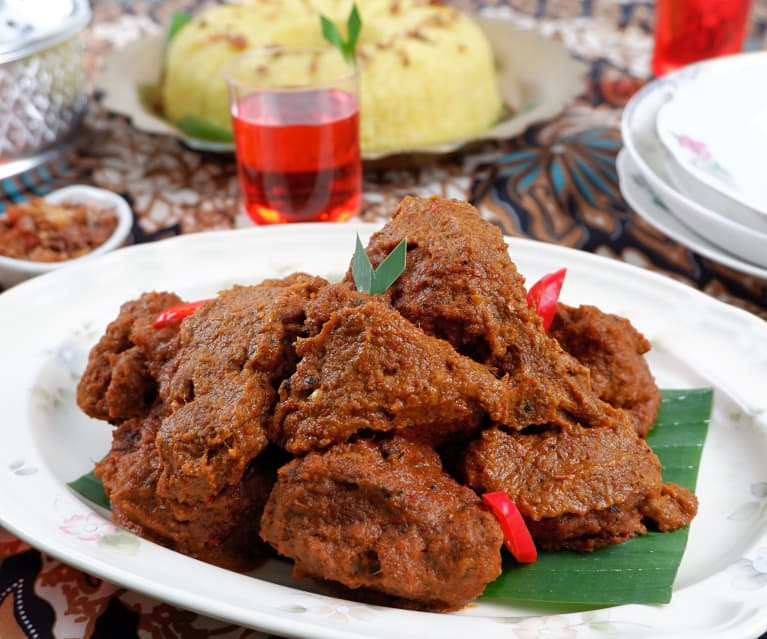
378	280
178	20
348	47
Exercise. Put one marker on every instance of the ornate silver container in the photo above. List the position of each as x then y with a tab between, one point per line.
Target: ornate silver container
42	95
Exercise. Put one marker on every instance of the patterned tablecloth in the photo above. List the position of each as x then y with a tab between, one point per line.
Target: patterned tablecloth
557	182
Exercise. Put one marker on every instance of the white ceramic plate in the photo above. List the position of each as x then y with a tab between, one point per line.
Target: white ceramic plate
641	142
13	271
46	441
659	211
714	126
537	76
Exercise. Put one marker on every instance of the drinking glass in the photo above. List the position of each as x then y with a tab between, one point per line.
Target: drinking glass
295	114
690	30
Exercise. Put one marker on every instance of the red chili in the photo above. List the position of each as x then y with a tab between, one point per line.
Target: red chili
176	313
544	295
517	537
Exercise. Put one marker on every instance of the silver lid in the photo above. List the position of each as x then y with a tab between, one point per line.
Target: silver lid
28	26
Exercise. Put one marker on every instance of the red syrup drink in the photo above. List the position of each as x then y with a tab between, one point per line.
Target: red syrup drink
298	155
690	30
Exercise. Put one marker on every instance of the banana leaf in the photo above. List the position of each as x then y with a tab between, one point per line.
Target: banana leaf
641	570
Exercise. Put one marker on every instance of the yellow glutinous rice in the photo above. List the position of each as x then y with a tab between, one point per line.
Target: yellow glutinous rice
428	75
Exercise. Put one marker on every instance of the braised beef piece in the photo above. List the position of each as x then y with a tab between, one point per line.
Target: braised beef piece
384	516
613	350
370	369
578	488
333	298
220	386
675	506
224	533
129	476
186	471
461	285
120	380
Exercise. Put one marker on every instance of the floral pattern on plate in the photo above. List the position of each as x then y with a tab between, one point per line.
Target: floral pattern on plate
702	157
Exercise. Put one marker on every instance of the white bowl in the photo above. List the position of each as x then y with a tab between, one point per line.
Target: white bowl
712	199
656	211
641	141
714	128
13	271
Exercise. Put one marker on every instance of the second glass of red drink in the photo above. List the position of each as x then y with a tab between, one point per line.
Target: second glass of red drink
690	30
295	114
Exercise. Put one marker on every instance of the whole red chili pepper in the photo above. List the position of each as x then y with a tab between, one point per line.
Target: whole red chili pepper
516	536
543	296
176	313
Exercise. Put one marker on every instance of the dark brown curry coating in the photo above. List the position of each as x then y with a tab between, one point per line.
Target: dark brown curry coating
224	533
571	470
384	516
613	350
129	476
461	285
119	381
370	369
578	487
186	474
585	533
220	386
332	298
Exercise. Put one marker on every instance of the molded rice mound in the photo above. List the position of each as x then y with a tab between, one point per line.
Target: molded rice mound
428	75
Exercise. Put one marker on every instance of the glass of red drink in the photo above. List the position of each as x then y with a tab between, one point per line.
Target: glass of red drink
690	30
295	114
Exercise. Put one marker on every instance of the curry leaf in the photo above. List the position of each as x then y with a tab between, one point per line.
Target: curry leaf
353	28
377	280
203	129
178	21
362	269
390	269
643	569
348	47
90	487
331	34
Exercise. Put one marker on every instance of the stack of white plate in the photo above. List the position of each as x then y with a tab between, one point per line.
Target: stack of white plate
694	161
